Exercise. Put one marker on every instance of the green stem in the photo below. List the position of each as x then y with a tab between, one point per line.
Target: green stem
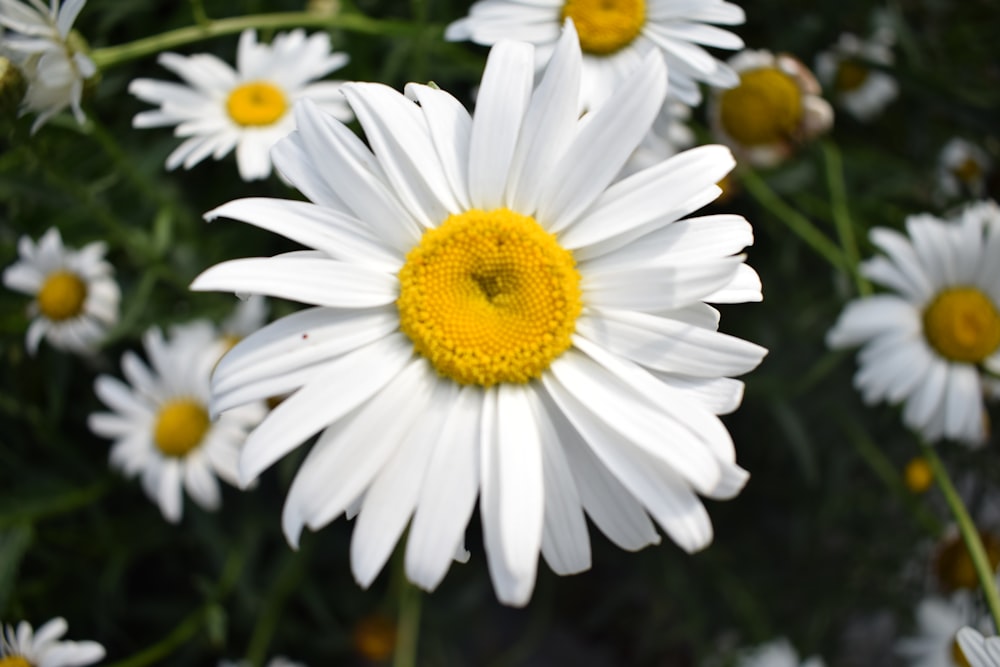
841	215
56	505
286	582
110	56
987	578
408	625
800	225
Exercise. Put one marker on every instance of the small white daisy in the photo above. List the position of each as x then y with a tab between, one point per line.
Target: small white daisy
777	653
979	651
928	343
494	318
775	107
24	647
248	108
48	55
962	169
847	70
615	36
938	622
75	294
160	421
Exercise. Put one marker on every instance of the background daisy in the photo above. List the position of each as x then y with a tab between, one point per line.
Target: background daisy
849	71
247	108
978	650
75	294
963	168
614	37
161	426
927	343
43	648
493	318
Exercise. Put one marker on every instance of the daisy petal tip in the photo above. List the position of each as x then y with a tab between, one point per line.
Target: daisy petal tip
291	526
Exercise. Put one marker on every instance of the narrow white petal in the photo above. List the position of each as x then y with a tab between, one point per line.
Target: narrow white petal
168	494
450	127
659	289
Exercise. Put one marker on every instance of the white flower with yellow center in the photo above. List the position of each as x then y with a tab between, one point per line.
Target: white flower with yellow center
24	647
161	426
248	108
615	36
928	343
777	653
977	650
849	71
938	621
775	107
492	318
963	168
50	57
75	294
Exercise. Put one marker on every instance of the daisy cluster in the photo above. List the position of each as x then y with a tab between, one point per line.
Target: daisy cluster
475	322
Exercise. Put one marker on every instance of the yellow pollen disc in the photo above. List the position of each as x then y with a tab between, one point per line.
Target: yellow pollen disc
180	427
375	638
969	171
14	661
954	567
256	103
605	26
489	297
918	475
62	296
765	108
963	325
850	76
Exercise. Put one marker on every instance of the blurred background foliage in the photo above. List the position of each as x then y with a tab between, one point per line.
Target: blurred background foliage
825	545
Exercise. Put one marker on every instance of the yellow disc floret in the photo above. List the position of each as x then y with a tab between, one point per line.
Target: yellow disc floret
180	426
765	108
918	475
489	297
14	661
963	325
850	76
605	26
256	103
62	296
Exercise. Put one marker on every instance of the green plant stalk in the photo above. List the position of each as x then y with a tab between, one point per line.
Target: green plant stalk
284	585
800	225
987	578
408	623
841	214
59	505
110	56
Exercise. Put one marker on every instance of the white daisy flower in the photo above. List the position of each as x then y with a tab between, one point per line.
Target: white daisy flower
938	622
979	651
248	108
777	653
492	318
75	294
962	169
615	36
24	647
775	107
928	343
847	70
160	421
50	58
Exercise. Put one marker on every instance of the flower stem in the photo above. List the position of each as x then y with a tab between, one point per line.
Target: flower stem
407	625
987	578
841	215
110	56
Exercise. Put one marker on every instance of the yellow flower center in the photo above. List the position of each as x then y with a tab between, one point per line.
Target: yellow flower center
256	103
918	475
62	296
957	655
14	661
764	108
375	638
489	297
954	566
969	171
180	427
605	26
963	325
851	75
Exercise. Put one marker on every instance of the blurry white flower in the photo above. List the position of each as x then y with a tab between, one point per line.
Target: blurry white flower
47	54
927	343
161	425
978	650
777	653
277	661
847	71
615	36
75	294
24	647
248	108
775	107
962	169
938	622
669	135
494	319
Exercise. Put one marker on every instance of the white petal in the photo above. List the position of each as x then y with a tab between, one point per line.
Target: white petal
168	495
659	289
450	127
